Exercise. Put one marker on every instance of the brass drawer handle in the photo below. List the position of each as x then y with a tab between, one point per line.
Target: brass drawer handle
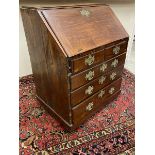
116	50
113	76
111	90
89	107
102	79
89	90
114	63
90	60
102	92
89	75
103	67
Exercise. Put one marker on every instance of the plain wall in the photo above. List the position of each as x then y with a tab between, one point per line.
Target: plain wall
123	9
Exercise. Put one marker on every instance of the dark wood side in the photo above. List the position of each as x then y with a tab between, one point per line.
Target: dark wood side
49	65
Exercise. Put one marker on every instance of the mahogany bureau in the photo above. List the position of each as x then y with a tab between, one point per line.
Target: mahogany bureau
77	54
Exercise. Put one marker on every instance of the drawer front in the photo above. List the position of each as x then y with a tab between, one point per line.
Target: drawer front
94	58
89	89
84	77
113	51
87	107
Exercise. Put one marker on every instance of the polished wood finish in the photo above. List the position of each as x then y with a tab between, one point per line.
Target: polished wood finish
80	79
80	111
47	61
72	49
80	94
102	54
78	33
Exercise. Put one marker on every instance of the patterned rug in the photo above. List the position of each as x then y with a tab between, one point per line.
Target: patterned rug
109	132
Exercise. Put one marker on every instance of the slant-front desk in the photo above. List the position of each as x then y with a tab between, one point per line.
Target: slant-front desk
77	55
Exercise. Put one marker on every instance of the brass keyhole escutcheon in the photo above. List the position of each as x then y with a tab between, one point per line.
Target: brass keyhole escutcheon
111	90
114	63
102	92
116	50
103	67
89	90
113	76
85	12
90	60
89	106
102	79
90	75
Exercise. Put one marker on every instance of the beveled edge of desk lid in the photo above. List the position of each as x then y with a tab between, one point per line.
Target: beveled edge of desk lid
71	52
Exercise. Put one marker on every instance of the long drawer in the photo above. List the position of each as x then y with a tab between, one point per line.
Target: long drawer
84	77
87	107
93	58
89	89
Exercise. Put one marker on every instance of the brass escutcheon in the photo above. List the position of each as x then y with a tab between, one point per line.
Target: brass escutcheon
114	63
103	67
89	106
89	90
90	60
102	79
102	92
116	49
113	76
111	90
89	75
85	12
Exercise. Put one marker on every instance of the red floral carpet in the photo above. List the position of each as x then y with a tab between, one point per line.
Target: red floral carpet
109	132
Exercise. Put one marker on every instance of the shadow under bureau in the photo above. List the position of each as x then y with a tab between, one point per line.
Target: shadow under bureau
77	54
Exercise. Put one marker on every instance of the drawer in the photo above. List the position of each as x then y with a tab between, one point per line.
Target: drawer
94	58
89	106
89	89
84	77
